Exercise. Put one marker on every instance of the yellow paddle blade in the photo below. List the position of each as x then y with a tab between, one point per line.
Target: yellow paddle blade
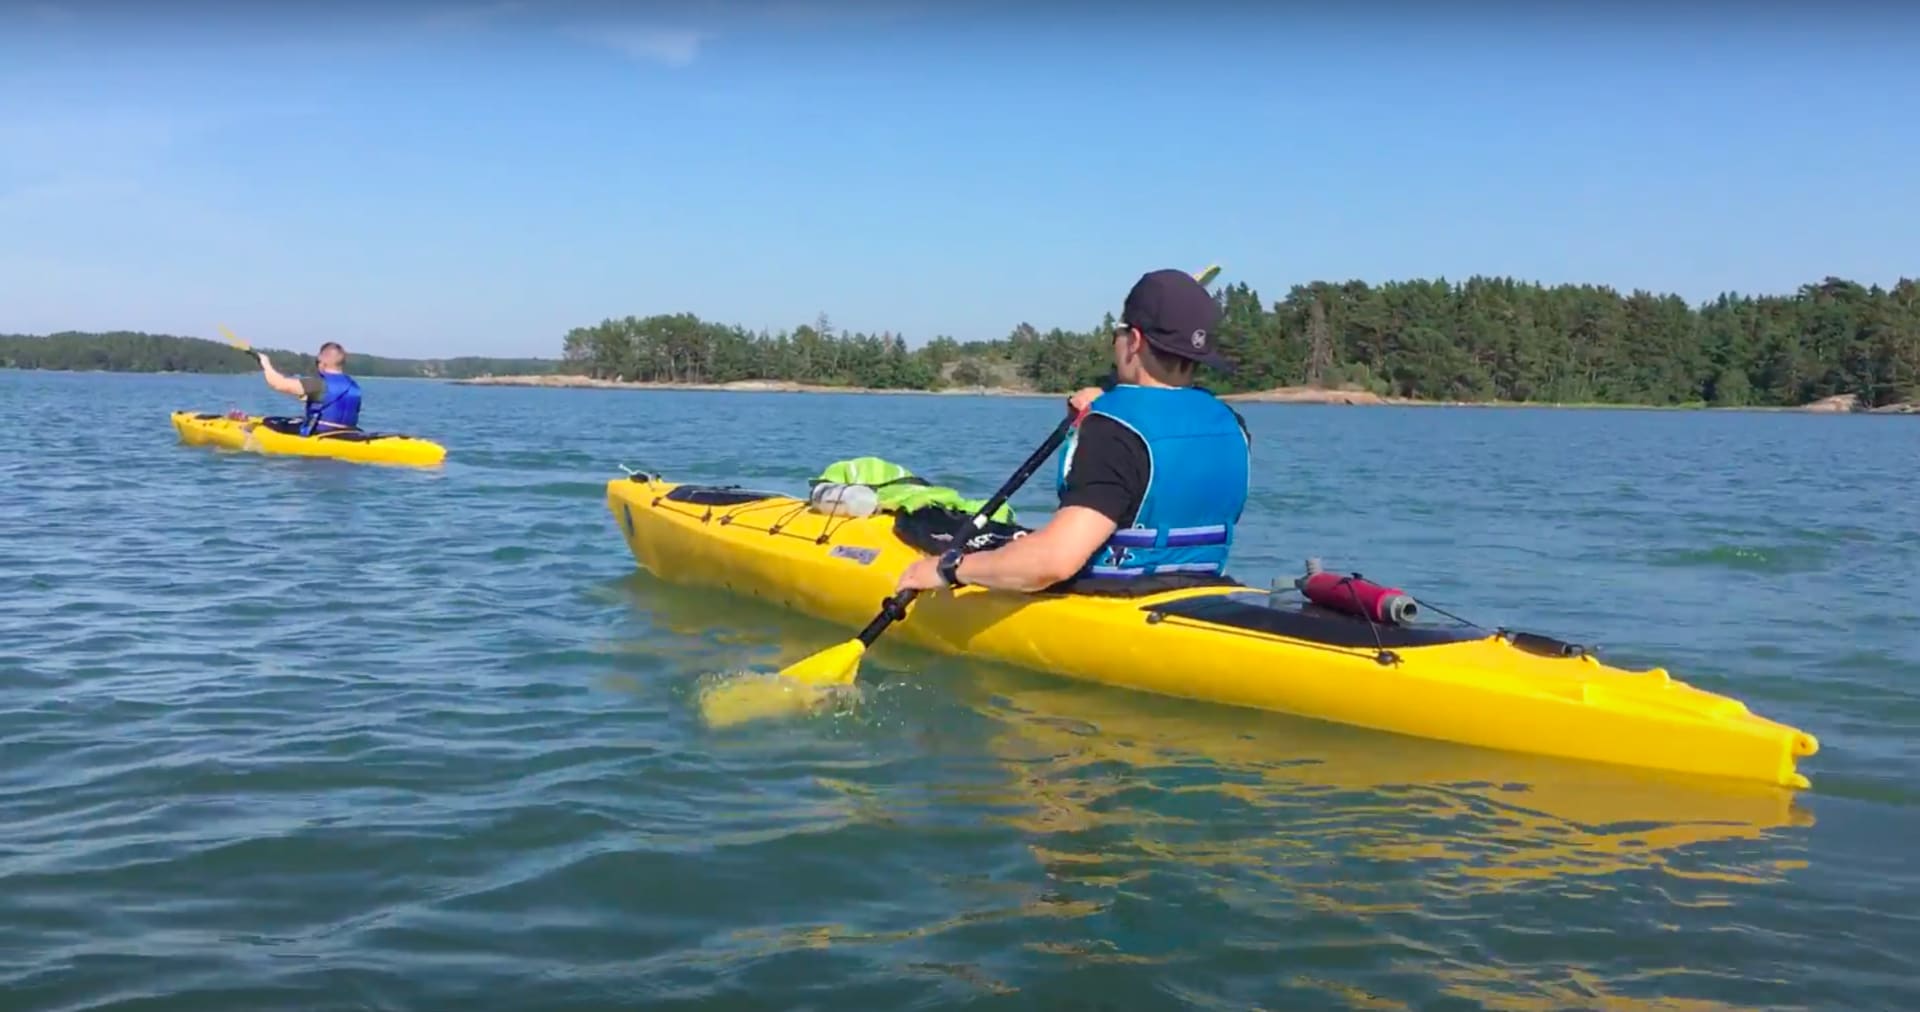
737	699
836	665
1206	277
799	688
236	342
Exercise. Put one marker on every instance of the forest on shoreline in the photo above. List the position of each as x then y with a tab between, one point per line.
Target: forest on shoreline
1481	340
132	351
1478	341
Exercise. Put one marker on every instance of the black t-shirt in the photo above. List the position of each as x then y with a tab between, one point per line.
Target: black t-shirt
315	387
1110	469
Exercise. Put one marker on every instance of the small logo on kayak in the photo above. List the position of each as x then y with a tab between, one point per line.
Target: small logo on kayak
863	556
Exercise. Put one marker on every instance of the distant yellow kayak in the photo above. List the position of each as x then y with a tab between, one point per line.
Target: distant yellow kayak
281	436
1224	644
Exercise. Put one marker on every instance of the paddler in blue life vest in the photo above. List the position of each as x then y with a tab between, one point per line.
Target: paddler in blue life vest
1153	479
332	397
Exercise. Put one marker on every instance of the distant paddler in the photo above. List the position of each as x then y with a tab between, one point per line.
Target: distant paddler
331	396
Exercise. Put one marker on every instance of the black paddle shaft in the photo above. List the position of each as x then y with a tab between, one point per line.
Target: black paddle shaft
895	608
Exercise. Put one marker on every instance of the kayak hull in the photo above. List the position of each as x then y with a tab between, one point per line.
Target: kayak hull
252	434
1479	688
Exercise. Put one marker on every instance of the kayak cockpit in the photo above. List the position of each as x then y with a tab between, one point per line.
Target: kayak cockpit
1300	620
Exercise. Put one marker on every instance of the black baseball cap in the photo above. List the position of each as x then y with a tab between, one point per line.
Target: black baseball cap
1177	315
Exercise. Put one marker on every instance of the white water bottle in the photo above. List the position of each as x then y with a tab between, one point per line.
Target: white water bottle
835	499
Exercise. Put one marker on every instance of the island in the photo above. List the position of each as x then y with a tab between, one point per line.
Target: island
1832	347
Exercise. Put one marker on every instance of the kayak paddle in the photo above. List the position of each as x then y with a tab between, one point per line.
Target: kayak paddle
838	665
236	342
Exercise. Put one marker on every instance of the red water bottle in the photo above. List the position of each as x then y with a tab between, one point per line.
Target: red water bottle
1356	596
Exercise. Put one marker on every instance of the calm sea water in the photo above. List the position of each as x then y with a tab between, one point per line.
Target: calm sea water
294	734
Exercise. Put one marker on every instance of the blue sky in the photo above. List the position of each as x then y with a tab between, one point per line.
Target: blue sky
477	177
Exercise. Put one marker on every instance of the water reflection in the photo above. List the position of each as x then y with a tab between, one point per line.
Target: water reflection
1084	758
1091	759
1235	843
1421	869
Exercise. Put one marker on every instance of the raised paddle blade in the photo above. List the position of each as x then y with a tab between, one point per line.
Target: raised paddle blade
1206	277
236	342
836	665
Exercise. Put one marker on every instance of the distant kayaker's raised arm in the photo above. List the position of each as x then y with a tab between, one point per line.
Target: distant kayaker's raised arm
284	384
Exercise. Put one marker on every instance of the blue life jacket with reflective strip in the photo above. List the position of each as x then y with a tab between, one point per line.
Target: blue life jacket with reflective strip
339	403
1199	463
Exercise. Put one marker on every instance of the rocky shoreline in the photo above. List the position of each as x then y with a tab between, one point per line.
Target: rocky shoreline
1843	404
575	382
1279	395
1849	404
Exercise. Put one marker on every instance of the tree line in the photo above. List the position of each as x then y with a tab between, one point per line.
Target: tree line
1479	340
128	351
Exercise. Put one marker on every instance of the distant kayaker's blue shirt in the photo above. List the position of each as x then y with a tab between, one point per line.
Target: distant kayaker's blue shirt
336	402
1170	467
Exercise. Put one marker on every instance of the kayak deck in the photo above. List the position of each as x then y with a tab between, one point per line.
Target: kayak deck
1225	644
279	436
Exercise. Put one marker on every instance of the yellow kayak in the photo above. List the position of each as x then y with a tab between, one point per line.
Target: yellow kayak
1226	644
282	436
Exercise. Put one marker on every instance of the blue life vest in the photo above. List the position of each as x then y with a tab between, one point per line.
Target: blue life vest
339	403
1199	466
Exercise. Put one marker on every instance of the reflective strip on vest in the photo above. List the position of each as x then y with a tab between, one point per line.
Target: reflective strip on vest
1176	537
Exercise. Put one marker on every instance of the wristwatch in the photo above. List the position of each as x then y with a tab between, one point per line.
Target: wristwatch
949	567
